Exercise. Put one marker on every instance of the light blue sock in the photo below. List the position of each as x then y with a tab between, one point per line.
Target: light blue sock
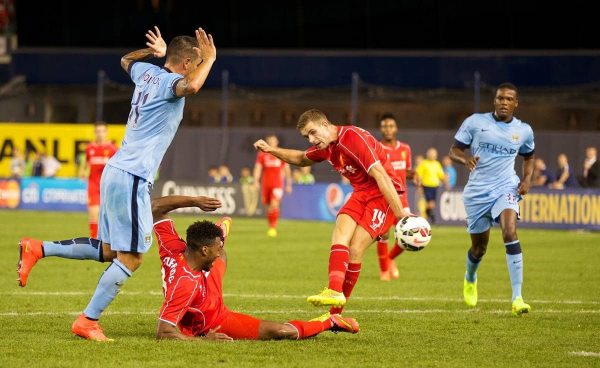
472	266
108	287
78	248
514	260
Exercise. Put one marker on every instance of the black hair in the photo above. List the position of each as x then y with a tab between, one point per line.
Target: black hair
181	47
387	115
507	85
202	233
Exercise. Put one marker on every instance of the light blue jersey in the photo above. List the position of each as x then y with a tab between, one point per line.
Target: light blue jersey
153	121
497	144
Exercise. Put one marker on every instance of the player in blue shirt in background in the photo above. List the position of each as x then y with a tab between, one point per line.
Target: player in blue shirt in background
493	191
125	228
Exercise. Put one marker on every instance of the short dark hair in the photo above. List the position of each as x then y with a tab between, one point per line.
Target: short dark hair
181	47
202	233
308	116
507	85
386	116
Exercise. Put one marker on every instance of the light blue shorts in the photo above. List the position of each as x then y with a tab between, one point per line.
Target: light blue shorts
481	216
125	218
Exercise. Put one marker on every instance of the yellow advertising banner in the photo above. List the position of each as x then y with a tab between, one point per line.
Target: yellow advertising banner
63	141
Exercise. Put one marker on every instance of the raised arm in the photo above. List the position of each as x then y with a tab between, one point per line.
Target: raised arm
163	205
207	54
293	157
387	188
156	48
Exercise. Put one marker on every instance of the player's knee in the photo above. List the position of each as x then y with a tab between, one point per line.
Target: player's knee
385	236
509	233
108	254
132	261
478	250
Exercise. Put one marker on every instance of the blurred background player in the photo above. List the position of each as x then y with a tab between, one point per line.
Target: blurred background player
590	177
400	156
272	171
431	175
494	190
97	154
193	272
125	228
372	209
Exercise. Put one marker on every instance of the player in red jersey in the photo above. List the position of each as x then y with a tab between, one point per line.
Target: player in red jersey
97	154
371	210
193	273
272	170
400	157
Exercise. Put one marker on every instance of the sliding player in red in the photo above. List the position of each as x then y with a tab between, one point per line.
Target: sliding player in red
399	154
193	273
372	209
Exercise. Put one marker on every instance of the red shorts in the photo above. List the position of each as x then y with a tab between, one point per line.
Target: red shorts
371	211
270	193
93	193
239	326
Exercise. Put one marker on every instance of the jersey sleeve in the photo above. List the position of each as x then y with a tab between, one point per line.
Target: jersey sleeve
168	239
316	155
169	84
137	69
440	170
356	146
260	158
528	146
464	135
178	298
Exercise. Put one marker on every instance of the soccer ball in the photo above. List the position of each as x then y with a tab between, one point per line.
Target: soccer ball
413	233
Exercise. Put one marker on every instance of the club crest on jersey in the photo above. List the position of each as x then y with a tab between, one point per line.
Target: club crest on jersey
515	138
348	168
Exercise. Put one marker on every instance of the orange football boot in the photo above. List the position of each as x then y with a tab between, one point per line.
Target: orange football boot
30	251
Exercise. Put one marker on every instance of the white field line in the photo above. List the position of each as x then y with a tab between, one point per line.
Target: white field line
300	297
585	354
304	311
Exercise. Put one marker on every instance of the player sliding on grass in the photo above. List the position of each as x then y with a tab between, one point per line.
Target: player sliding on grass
371	210
125	229
193	273
494	189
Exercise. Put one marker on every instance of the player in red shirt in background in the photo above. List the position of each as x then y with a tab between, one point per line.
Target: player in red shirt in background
400	157
372	209
97	154
273	170
193	273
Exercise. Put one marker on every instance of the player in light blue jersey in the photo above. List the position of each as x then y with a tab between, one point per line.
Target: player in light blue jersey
125	229
494	189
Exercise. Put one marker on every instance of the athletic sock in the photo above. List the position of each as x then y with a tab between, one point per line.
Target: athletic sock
472	266
514	260
78	248
351	278
272	217
308	329
382	255
93	229
396	251
338	264
107	289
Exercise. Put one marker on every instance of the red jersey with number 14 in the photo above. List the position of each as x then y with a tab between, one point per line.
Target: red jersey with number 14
193	300
353	154
400	158
272	169
96	156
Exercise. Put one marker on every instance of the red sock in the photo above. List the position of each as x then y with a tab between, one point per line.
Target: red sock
382	254
396	251
338	263
272	217
351	277
308	329
94	230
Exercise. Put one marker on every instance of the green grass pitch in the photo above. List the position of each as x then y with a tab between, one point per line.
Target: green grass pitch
419	320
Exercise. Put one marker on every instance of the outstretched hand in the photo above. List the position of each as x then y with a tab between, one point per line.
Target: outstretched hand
206	49
156	43
218	336
261	145
524	187
208	204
